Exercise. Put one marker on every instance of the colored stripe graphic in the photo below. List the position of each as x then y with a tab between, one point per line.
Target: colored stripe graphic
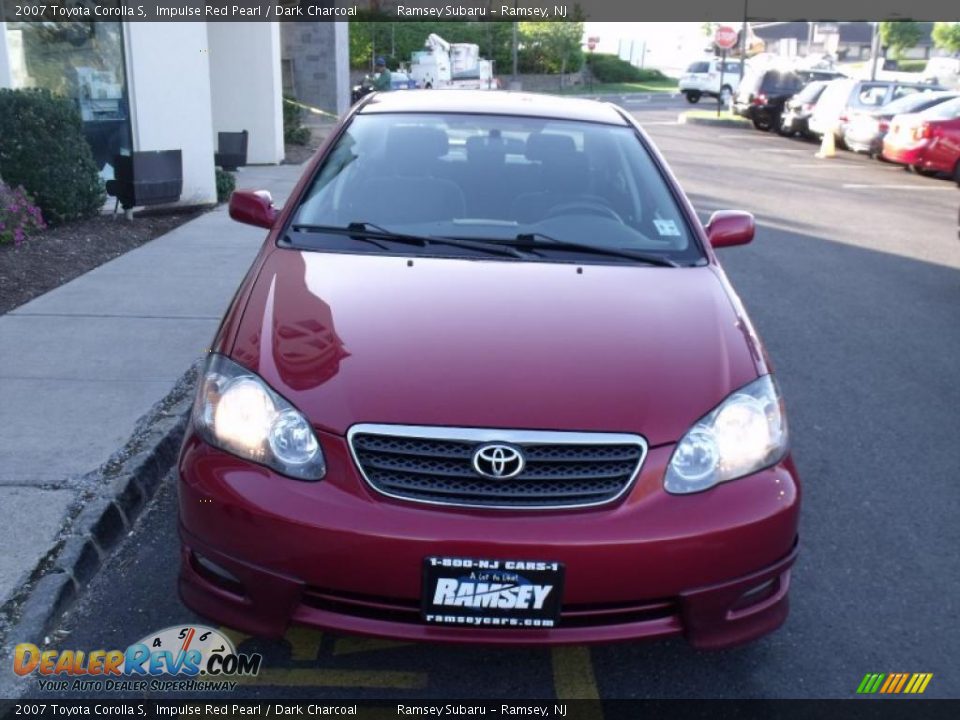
894	683
903	680
870	683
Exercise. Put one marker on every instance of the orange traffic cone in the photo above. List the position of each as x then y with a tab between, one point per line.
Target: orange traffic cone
828	147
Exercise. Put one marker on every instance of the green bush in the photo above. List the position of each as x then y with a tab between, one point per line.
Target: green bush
611	69
42	148
293	130
911	65
226	184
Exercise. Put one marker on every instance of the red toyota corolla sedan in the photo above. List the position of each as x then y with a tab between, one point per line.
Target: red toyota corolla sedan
486	382
928	141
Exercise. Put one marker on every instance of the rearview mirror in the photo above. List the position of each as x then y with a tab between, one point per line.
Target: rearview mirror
253	207
730	227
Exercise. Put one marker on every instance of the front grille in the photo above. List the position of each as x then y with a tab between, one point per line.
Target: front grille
399	610
436	465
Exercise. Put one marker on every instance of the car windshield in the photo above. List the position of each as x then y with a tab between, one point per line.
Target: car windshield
496	178
699	67
943	111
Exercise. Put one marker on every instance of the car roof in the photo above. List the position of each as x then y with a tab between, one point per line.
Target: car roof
493	102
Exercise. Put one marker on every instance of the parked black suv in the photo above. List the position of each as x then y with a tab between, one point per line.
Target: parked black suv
764	92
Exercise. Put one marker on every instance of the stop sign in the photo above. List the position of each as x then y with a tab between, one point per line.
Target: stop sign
725	37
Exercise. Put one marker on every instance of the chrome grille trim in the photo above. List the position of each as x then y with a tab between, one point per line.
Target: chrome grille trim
522	438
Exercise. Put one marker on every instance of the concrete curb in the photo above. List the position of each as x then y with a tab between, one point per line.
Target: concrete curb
101	517
716	122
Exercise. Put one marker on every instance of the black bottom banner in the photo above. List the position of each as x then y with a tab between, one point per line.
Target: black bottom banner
562	710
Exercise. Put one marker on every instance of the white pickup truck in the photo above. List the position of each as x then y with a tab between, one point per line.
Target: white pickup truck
703	78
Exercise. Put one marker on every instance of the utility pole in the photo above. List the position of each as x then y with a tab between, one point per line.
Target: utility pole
810	27
743	41
874	50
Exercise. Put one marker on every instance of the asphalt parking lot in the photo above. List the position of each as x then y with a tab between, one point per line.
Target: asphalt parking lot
854	284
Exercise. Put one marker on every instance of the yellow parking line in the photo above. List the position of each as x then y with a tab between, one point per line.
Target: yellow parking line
350	645
313	677
573	674
304	643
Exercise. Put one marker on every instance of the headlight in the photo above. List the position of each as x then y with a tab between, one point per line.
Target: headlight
238	412
746	433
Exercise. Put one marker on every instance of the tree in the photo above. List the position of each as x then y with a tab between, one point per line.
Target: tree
900	35
551	47
946	35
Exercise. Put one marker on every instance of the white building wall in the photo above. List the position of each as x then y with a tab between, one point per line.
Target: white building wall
168	76
342	60
5	79
246	85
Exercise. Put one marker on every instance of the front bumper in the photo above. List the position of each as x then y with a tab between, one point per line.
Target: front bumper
713	567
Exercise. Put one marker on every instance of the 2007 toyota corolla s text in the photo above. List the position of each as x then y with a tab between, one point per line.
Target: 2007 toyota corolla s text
486	382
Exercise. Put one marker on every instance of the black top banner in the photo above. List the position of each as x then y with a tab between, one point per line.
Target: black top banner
479	10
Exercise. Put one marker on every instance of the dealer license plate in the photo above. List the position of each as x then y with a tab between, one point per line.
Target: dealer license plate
491	593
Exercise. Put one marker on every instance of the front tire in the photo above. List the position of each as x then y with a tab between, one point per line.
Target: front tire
693	97
761	121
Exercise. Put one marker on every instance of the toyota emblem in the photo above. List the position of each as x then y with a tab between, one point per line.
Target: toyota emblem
498	461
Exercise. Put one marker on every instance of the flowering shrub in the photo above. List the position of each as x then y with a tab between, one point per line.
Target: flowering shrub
19	217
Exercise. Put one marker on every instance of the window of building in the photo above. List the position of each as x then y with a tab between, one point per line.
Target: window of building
82	61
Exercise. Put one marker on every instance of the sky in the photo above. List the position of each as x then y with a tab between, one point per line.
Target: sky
669	45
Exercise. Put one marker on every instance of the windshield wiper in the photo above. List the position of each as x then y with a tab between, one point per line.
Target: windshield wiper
530	241
372	233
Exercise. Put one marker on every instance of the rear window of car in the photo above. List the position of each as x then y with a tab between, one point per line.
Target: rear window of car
914	103
872	95
699	67
493	177
811	92
776	81
945	111
731	67
900	91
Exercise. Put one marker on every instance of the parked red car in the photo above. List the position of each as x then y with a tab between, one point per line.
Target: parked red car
486	382
928	141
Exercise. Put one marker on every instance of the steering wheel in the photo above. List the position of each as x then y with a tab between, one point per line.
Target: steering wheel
590	207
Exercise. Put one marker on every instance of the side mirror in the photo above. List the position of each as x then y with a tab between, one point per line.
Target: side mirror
253	207
730	227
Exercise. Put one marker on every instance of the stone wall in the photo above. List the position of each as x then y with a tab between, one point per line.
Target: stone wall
315	62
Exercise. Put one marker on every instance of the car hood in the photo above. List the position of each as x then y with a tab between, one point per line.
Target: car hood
351	338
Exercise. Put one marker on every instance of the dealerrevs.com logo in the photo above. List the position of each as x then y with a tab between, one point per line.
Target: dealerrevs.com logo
202	658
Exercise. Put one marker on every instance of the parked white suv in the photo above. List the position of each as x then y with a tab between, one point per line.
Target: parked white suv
703	78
